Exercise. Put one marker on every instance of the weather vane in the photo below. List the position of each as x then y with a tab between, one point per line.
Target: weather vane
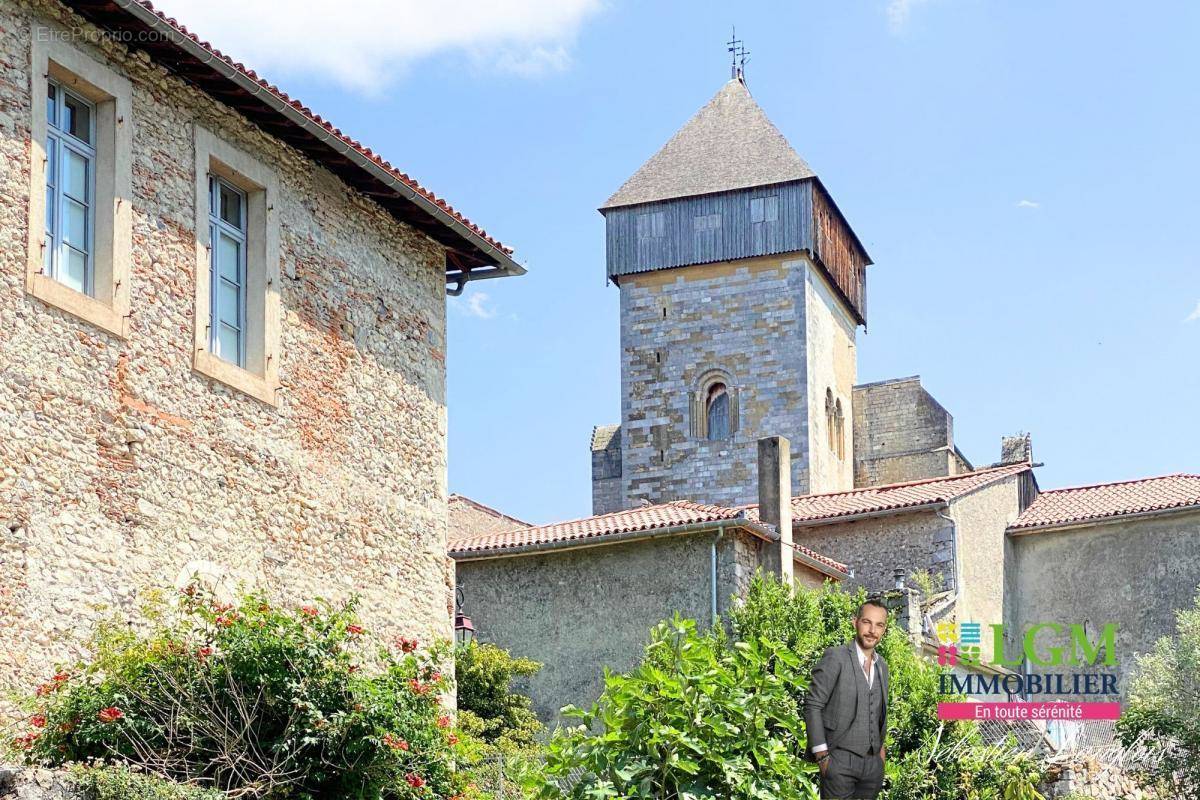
738	53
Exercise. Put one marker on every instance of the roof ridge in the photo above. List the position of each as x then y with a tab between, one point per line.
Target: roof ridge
486	508
1023	465
362	149
1125	482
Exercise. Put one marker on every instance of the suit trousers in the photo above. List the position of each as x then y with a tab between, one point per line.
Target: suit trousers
851	776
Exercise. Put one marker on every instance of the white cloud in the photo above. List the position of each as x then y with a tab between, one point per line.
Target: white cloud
1195	315
899	11
477	304
1028	204
362	44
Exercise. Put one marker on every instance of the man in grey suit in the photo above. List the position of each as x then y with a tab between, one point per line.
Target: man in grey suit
846	710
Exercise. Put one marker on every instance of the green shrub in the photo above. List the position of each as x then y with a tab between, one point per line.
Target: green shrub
255	700
122	783
699	718
1163	711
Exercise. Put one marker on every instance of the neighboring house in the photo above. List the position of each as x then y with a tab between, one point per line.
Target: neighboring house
742	287
222	339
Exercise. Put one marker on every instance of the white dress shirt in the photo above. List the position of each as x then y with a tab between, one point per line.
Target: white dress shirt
870	676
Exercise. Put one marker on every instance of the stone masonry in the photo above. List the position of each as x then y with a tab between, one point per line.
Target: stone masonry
746	319
901	433
122	471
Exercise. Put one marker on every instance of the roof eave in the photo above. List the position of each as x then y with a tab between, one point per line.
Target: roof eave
501	263
1098	521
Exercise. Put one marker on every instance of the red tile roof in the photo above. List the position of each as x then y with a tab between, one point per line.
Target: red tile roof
822	508
1058	507
604	526
127	8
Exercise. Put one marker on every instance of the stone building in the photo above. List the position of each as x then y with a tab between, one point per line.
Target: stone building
222	339
742	288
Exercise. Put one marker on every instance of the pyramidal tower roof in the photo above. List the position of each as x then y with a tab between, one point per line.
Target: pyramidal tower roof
728	144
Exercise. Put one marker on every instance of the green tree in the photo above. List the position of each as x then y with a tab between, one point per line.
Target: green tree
1164	708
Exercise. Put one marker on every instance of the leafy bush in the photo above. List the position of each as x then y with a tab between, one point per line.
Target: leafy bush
1164	708
254	700
499	722
122	783
699	718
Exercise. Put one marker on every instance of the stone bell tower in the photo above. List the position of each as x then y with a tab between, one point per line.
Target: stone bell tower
742	289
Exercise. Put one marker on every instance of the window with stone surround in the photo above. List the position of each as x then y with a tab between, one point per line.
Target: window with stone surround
839	429
80	211
236	338
714	407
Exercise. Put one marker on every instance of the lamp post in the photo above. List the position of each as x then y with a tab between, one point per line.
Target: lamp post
464	629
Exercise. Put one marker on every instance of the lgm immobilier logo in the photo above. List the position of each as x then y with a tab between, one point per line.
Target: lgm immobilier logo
1045	645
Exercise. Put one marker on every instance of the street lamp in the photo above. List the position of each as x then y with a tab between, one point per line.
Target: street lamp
464	630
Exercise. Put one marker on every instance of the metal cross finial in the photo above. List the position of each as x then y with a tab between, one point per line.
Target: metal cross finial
738	54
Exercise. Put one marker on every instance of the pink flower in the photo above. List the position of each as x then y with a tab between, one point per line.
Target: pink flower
38	720
453	739
25	742
308	611
110	714
355	630
443	721
225	620
414	780
203	653
417	686
405	644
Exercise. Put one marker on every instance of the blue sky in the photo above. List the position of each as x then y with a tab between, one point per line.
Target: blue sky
1022	173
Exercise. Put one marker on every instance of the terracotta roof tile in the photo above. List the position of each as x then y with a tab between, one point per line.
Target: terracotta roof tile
600	527
306	111
1106	500
829	507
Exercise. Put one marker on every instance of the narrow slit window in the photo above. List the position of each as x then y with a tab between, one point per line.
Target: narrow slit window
227	243
69	254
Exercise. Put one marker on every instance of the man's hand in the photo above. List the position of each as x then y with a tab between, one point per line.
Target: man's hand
823	761
883	754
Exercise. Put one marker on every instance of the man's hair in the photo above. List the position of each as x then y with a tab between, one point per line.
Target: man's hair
870	601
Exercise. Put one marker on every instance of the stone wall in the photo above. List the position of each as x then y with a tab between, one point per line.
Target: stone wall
901	433
876	546
1087	777
17	783
580	609
1135	573
832	369
745	318
123	471
981	518
606	469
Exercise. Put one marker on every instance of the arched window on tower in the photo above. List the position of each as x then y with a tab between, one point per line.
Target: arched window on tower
714	406
829	420
839	426
716	412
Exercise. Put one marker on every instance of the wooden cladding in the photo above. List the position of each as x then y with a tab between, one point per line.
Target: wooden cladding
839	252
745	223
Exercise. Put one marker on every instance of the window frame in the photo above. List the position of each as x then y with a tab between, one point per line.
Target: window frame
106	303
258	374
64	144
218	226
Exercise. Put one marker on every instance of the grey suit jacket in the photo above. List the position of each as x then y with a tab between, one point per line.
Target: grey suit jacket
833	696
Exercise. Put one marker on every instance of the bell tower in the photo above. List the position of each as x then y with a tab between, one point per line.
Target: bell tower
742	289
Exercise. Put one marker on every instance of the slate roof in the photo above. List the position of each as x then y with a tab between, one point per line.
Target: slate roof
1058	507
728	144
238	86
598	528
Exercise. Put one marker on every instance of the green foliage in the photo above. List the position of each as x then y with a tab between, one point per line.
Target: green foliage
1164	708
122	783
930	583
699	718
500	725
255	700
928	759
484	674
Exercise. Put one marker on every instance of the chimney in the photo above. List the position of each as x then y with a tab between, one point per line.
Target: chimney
1016	449
775	500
